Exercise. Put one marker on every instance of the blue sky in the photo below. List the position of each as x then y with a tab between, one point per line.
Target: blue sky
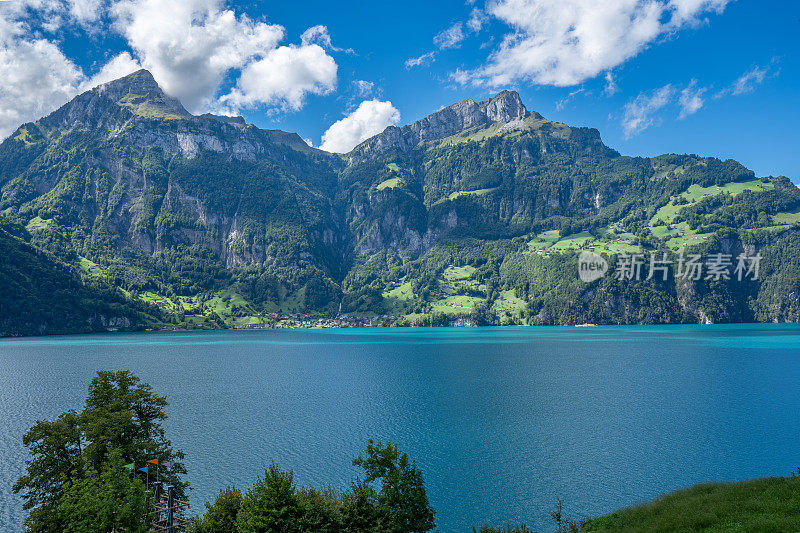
712	77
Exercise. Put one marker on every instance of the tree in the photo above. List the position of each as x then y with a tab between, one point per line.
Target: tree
402	499
123	413
221	515
98	503
271	505
122	417
275	505
321	510
360	513
56	450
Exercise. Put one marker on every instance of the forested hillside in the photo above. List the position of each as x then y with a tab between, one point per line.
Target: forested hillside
473	215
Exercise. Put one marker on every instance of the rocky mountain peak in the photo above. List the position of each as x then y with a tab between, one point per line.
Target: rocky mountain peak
504	107
140	87
139	82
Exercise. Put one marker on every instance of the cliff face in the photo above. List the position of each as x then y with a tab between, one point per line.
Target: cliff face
505	107
129	160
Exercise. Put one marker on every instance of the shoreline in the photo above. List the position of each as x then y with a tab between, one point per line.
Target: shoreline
569	327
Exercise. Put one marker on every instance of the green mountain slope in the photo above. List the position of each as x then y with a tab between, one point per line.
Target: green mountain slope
40	294
474	213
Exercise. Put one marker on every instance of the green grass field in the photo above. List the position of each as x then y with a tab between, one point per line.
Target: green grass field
89	267
458	273
679	235
695	193
543	240
456	305
36	223
398	300
608	241
786	219
508	306
476	192
759	505
391	183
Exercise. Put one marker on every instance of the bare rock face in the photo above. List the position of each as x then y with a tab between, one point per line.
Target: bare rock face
448	121
505	107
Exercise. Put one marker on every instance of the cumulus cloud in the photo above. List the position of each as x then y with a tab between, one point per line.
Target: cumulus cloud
189	46
691	99
564	42
193	46
283	77
85	11
54	13
370	118
119	66
37	76
199	51
638	114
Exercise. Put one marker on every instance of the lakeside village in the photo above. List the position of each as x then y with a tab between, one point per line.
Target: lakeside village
304	321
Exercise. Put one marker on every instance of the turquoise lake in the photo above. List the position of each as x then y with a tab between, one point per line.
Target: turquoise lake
502	421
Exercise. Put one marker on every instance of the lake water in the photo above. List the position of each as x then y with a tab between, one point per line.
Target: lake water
501	420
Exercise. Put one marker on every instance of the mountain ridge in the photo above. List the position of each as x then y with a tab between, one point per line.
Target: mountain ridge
472	214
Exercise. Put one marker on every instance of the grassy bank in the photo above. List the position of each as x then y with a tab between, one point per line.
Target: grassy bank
762	505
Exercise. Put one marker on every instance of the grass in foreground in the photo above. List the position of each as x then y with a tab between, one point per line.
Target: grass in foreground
759	505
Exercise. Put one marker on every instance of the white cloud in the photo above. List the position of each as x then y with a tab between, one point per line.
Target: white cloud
564	42
638	114
642	112
54	13
451	37
319	35
190	45
691	99
193	46
37	76
119	66
477	19
283	78
370	118
611	87
85	11
750	80
561	104
747	82
421	61
363	88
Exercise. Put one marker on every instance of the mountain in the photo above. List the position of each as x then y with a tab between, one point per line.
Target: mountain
41	294
473	214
